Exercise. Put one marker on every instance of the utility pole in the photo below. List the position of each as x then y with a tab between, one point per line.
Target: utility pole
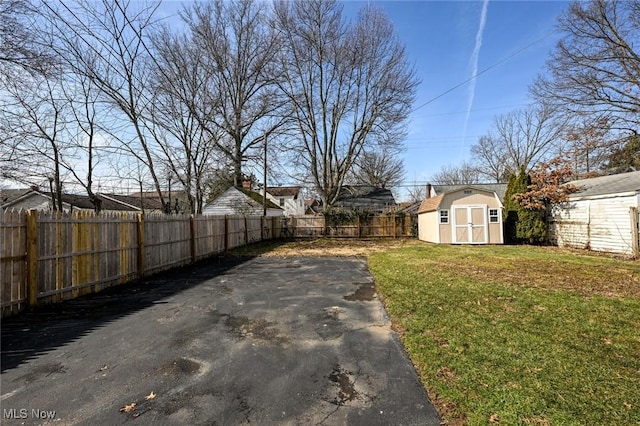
264	178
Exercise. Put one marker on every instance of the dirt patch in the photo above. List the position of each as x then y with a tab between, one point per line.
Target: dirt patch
333	247
365	292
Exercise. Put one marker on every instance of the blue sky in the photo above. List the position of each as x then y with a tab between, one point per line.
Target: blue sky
445	42
441	38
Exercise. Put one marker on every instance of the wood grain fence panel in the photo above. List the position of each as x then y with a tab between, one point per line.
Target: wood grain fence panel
13	261
167	241
236	231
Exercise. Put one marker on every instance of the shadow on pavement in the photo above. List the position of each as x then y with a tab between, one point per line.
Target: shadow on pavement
29	334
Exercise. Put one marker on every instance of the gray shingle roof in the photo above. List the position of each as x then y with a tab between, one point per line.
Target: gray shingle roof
605	185
498	188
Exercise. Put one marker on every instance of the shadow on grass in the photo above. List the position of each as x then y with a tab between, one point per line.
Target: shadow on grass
29	334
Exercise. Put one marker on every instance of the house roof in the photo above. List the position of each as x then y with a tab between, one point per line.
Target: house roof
10	195
431	204
138	202
257	197
607	185
365	197
284	191
498	188
109	201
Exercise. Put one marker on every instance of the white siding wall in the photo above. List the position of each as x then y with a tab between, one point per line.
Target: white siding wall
598	224
292	207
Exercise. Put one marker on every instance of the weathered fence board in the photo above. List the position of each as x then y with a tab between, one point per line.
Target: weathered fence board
13	261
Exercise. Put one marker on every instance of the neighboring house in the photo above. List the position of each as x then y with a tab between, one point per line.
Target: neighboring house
34	199
365	198
289	198
178	200
468	215
603	215
241	201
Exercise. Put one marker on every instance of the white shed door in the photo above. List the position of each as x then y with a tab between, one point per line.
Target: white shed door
470	224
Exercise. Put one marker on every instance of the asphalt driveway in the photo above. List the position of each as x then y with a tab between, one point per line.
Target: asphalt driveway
261	341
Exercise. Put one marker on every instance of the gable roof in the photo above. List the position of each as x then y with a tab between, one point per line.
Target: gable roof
8	196
498	188
365	197
623	183
257	197
284	191
431	204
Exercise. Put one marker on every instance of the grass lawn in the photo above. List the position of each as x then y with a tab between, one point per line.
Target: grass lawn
518	335
510	334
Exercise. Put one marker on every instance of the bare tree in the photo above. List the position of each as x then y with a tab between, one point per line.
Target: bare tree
33	151
351	86
518	139
19	47
465	174
588	145
106	42
595	68
490	158
181	89
382	169
239	51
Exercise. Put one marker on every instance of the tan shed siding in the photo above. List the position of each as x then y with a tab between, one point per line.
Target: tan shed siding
600	224
476	198
428	226
445	233
495	232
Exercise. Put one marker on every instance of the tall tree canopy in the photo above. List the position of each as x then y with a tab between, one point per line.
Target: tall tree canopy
350	84
595	68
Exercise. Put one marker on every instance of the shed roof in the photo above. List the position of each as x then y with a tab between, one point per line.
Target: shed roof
498	188
431	204
607	185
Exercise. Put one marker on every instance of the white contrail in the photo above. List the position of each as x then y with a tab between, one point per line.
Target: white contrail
474	66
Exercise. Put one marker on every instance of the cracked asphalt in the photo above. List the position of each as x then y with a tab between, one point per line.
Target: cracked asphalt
226	341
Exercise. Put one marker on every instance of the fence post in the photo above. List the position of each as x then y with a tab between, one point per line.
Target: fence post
32	257
226	233
141	251
192	226
635	231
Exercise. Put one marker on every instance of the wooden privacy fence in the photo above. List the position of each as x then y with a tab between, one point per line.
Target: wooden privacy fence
379	226
47	257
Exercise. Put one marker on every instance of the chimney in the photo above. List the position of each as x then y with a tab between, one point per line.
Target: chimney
246	184
428	191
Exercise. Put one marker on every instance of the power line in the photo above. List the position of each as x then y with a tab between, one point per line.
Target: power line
476	75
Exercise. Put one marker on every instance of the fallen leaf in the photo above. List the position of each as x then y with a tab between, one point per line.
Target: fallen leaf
129	407
494	418
150	396
626	404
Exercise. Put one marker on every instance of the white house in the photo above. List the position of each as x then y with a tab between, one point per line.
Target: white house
289	198
241	201
602	216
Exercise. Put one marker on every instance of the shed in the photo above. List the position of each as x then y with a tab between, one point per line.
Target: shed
603	215
467	215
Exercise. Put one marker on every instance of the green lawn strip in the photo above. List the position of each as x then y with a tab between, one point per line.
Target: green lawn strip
511	353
